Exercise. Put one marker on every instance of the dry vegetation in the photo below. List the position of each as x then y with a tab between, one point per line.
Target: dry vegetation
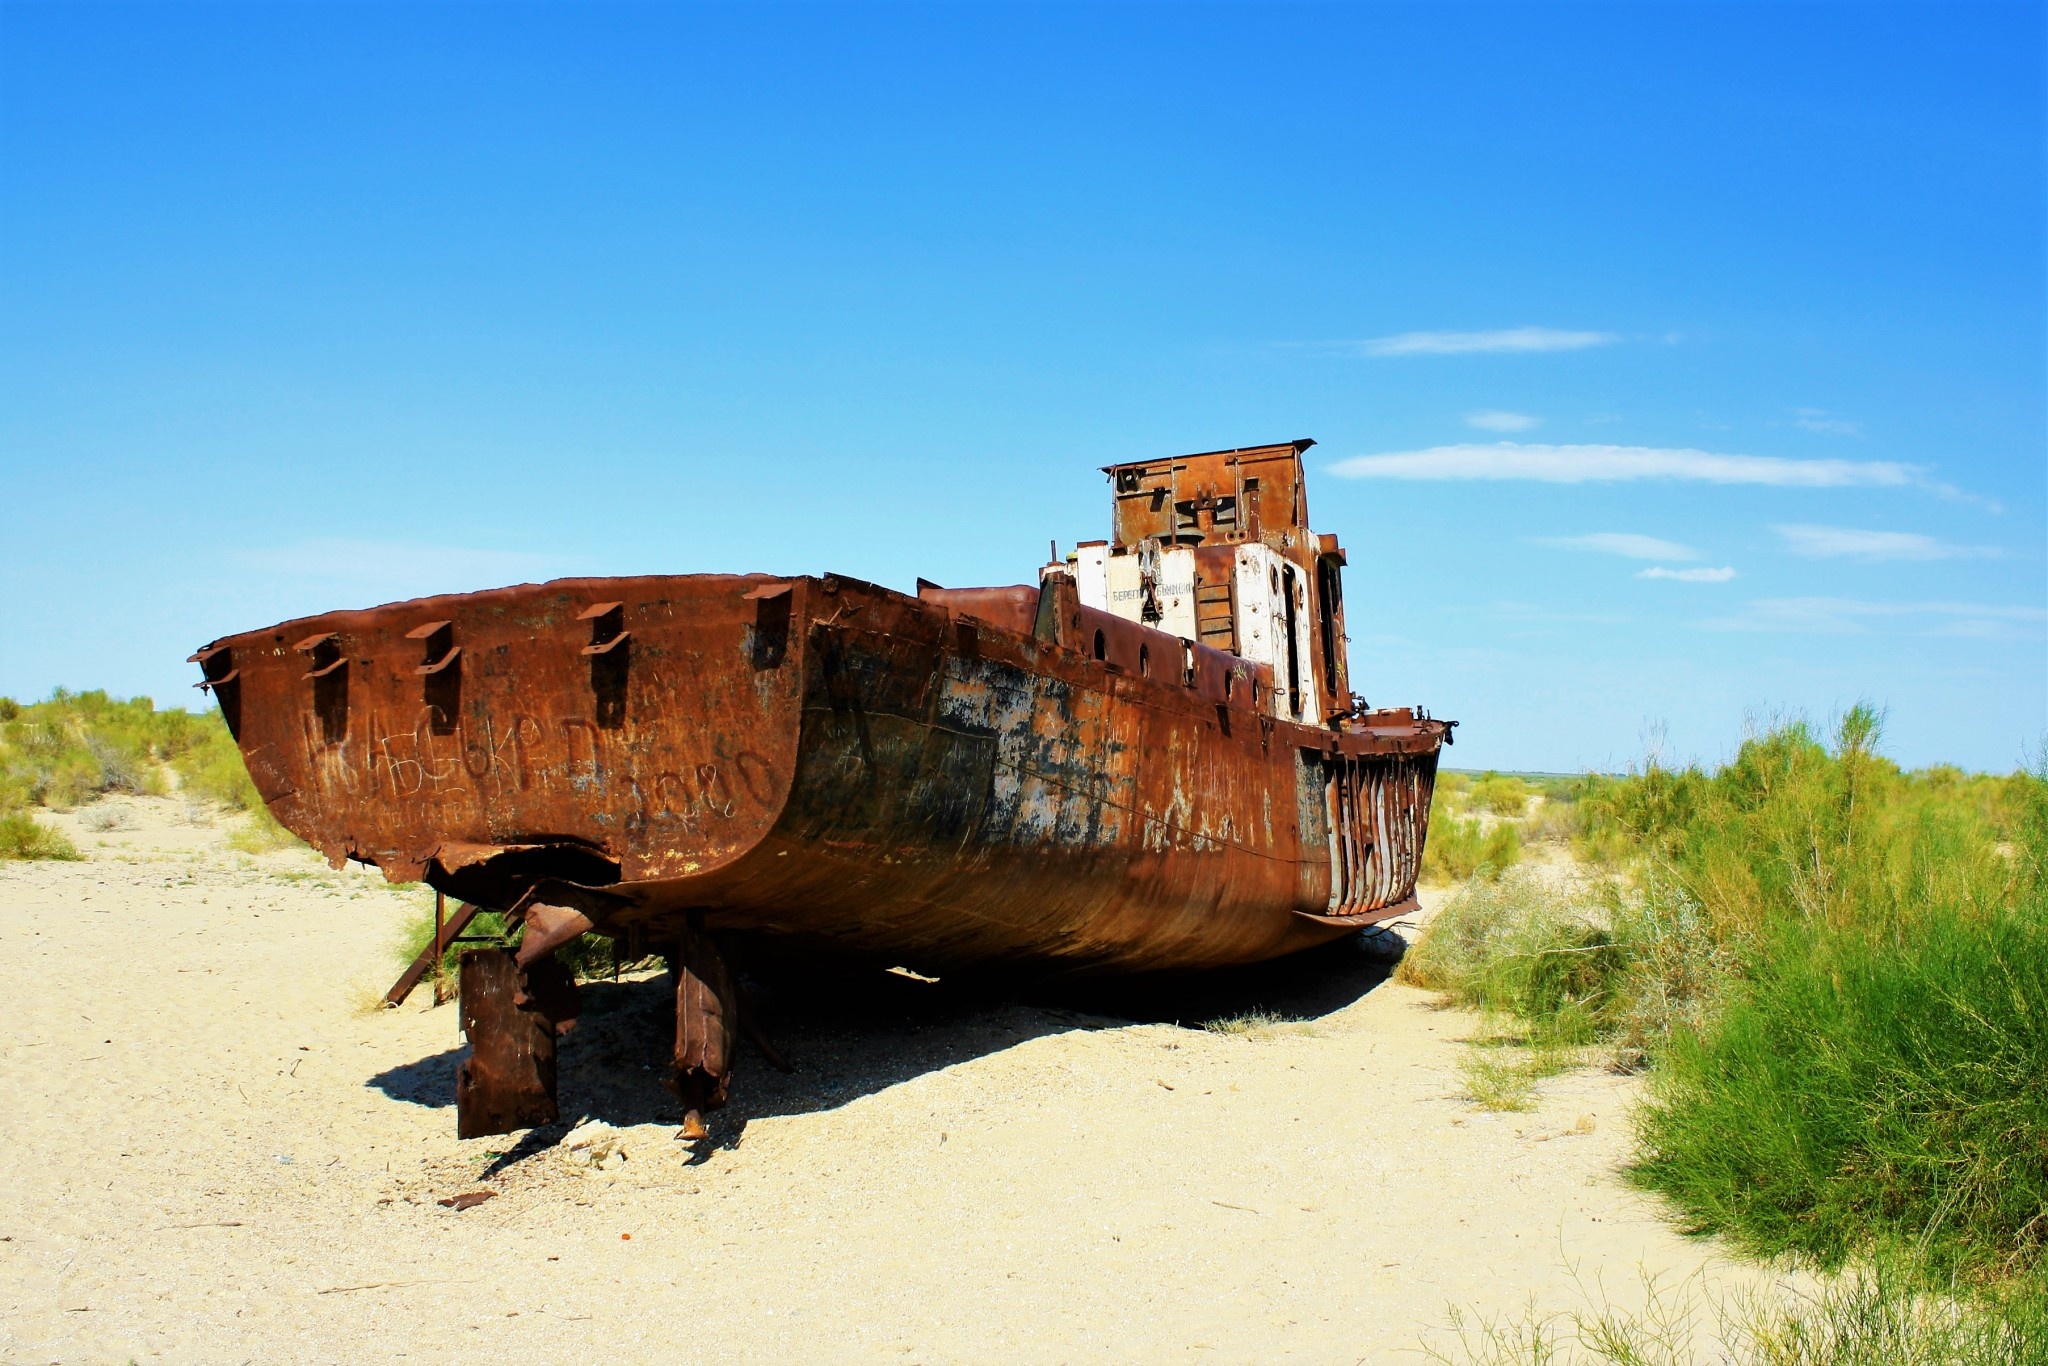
75	748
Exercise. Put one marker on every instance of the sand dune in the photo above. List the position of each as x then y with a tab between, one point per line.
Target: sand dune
216	1152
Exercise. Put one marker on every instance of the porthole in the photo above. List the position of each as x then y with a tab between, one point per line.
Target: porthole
1144	661
1101	646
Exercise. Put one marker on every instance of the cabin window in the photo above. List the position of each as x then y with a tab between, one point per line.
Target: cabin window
1101	646
1144	661
1187	665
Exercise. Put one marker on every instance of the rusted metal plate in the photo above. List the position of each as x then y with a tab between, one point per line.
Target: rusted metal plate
508	1080
707	1018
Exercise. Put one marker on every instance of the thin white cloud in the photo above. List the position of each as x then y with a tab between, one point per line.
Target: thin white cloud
1817	420
1852	616
1611	464
1840	542
1502	422
1510	339
1721	575
1625	543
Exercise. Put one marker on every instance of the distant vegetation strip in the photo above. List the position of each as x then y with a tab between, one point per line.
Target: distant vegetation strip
75	748
1837	974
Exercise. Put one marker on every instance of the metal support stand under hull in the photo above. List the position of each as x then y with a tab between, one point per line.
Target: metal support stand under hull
512	1016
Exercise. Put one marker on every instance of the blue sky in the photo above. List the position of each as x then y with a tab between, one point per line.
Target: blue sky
1673	365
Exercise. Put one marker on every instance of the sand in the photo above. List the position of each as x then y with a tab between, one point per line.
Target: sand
216	1150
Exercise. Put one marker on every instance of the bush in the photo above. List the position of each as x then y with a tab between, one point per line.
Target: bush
263	833
1500	795
1455	849
1881	1083
22	836
1554	821
1517	945
1577	962
212	770
74	747
590	957
1839	969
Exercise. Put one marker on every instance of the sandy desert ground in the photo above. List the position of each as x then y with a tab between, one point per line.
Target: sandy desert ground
216	1151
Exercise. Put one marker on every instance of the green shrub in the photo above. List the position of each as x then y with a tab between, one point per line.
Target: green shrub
212	770
262	833
1879	1083
74	747
1455	848
22	836
1839	969
1517	945
590	957
1500	795
1576	962
1554	821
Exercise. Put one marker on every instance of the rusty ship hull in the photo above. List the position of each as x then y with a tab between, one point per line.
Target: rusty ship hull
836	763
1005	777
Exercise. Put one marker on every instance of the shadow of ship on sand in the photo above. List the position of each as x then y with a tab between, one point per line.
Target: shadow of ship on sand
848	1037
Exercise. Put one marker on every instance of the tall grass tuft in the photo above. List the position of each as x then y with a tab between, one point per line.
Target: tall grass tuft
22	836
1875	1083
1881	1315
1875	1075
76	746
1840	973
1578	961
1459	847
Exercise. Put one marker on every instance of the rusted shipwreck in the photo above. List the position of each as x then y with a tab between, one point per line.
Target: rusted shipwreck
1150	760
